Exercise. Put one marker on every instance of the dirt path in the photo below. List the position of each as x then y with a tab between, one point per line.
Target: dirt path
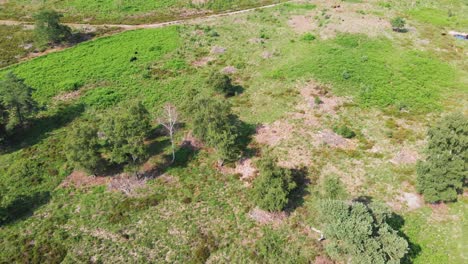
155	25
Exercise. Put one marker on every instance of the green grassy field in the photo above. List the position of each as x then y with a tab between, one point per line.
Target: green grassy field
194	213
121	12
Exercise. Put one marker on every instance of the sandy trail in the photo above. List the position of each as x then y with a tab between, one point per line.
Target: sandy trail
154	25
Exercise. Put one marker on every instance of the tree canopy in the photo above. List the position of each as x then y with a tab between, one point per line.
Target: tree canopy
361	233
125	129
442	175
48	28
82	147
216	125
272	187
16	102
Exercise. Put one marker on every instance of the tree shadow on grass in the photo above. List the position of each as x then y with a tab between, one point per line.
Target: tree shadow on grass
397	222
22	207
296	197
42	126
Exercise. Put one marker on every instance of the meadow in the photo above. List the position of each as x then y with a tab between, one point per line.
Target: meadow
124	12
393	88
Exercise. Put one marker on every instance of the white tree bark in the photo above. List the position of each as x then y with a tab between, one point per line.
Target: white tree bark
168	120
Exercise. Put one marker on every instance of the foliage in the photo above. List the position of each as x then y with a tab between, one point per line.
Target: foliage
272	248
361	233
104	64
442	175
82	147
125	129
221	83
16	102
398	24
18	45
308	37
48	28
124	12
272	187
344	131
216	125
388	76
334	188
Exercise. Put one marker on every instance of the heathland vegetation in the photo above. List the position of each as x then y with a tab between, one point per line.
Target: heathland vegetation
318	133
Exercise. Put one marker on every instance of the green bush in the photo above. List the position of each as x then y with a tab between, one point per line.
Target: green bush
308	37
125	129
82	147
221	83
344	131
334	188
216	125
398	24
442	175
272	187
359	233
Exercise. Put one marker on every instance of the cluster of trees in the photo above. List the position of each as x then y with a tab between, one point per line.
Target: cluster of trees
360	233
118	139
16	104
442	176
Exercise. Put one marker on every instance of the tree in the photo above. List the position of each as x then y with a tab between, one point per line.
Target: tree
16	101
221	83
125	129
398	24
48	28
272	187
82	147
169	120
442	175
360	233
216	125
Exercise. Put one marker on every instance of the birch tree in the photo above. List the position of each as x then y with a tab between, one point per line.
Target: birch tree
168	120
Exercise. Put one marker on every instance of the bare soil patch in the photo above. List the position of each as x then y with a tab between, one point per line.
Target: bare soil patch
334	140
68	96
80	179
218	50
410	201
202	61
229	70
405	156
126	184
302	24
274	133
329	103
246	169
347	20
264	217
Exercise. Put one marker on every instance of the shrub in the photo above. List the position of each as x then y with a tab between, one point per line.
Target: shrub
344	131
398	24
125	129
442	175
16	102
221	83
216	125
272	188
82	147
308	37
334	188
360	233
